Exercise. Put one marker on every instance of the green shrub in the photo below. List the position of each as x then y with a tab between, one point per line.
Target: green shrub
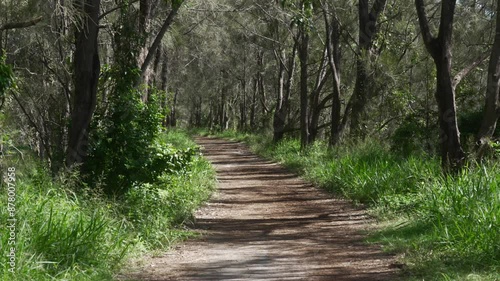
412	136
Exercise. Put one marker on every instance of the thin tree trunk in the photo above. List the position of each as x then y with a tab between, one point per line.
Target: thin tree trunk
304	95
173	110
333	48
253	104
279	117
86	75
315	105
157	41
243	105
283	107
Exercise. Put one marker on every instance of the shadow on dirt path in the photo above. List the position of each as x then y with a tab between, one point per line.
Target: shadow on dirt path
266	223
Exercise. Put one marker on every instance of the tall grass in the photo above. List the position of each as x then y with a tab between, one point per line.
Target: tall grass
66	231
446	228
56	235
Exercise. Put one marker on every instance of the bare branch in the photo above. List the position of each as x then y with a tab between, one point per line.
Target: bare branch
159	37
464	72
23	24
103	15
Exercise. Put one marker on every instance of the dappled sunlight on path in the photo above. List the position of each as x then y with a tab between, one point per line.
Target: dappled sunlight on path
266	223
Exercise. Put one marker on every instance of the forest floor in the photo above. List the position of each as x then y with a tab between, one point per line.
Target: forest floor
265	223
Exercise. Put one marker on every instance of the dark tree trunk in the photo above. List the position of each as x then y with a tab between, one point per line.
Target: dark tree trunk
253	104
492	106
86	76
367	32
304	95
164	86
198	113
243	105
223	117
173	111
452	155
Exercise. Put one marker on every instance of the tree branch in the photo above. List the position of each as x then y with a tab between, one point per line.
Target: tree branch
464	72
424	25
152	50
24	24
103	15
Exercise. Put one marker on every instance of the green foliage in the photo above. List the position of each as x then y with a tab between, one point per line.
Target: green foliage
59	235
466	213
125	147
177	3
155	209
469	123
303	12
411	136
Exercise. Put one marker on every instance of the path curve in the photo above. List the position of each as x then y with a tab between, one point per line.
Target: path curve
265	223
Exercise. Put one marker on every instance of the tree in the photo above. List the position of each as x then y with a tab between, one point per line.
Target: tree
492	105
440	48
86	76
151	51
304	91
368	29
332	30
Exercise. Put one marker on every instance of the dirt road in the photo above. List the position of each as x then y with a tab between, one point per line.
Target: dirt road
266	223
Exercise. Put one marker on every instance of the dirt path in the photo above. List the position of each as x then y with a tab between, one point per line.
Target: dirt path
265	223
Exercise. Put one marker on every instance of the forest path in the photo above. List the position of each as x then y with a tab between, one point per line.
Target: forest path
265	223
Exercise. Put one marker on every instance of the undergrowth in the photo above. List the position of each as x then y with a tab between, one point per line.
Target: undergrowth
66	231
442	227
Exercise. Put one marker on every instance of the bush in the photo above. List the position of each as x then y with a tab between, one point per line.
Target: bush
412	136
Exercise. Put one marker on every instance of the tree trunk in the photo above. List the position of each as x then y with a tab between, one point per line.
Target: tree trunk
316	106
243	105
304	95
492	106
452	154
86	75
173	110
164	86
279	116
283	106
253	104
157	41
333	48
367	32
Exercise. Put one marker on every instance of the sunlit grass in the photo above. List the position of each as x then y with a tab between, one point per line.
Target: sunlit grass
442	228
66	231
